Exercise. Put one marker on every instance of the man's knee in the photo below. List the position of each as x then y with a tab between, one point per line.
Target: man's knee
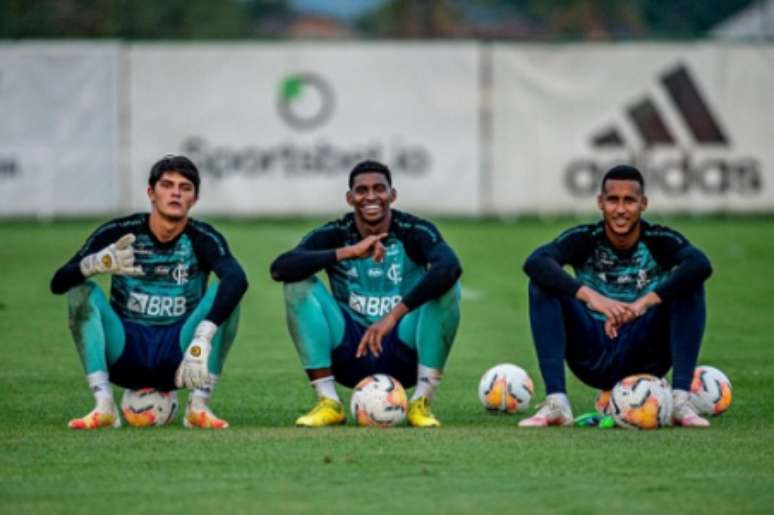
232	322
539	295
538	292
689	296
450	299
300	290
80	302
81	294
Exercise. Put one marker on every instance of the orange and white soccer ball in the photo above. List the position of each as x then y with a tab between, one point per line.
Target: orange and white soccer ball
378	400
148	407
505	387
641	401
711	391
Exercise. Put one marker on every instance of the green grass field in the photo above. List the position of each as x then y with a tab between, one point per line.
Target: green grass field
475	463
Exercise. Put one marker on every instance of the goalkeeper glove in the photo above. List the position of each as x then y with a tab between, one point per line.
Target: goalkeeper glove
116	258
192	372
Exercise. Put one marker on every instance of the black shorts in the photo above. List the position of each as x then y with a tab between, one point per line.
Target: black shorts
397	359
150	358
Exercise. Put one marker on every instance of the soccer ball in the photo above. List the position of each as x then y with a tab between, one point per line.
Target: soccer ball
148	407
711	391
641	401
378	400
505	387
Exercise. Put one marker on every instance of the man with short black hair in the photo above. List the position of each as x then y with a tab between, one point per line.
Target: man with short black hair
393	306
635	305
163	328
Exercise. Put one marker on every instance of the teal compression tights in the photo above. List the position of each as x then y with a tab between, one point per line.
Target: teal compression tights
99	334
316	325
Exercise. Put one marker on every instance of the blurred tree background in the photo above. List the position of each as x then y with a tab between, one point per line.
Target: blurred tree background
395	19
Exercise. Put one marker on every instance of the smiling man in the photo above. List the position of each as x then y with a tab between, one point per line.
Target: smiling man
393	306
163	327
635	304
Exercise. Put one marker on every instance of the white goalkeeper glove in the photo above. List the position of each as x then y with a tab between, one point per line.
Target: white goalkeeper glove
116	258
192	372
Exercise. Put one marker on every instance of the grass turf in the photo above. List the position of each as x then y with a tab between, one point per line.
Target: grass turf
477	462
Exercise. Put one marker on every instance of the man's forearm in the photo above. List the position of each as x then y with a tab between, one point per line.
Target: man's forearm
297	265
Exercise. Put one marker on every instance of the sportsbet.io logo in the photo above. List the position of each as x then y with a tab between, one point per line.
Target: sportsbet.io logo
305	101
703	162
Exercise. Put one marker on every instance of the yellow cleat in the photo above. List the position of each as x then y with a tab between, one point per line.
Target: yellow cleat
96	419
419	414
327	412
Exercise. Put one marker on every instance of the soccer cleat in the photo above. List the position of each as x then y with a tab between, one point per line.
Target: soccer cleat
683	412
552	412
419	414
201	417
97	419
327	412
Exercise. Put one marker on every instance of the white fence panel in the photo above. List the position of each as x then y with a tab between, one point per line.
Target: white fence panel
696	119
58	129
276	128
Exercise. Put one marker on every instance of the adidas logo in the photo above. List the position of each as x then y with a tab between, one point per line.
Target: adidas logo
650	124
669	153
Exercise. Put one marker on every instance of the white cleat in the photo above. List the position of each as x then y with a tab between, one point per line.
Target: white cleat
97	419
552	412
683	412
199	416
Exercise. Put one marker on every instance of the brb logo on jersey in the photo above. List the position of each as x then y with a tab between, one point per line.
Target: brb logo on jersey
305	101
372	305
693	152
156	305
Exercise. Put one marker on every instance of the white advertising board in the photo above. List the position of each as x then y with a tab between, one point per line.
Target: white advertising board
696	119
275	128
58	129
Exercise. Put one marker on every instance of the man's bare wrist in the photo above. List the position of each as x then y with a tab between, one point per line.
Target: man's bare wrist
583	293
342	253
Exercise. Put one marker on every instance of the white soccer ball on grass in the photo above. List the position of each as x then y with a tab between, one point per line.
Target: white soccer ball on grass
711	391
641	401
379	400
505	387
148	407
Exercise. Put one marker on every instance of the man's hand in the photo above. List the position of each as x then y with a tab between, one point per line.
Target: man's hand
116	258
368	246
635	310
644	303
192	372
611	329
372	339
615	311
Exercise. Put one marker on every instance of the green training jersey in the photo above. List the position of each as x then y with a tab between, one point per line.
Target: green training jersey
175	273
661	261
417	266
